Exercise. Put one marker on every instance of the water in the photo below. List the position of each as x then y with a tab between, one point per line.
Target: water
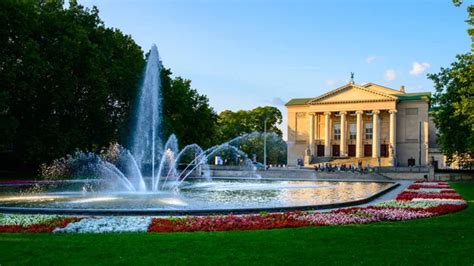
146	139
193	194
154	174
124	170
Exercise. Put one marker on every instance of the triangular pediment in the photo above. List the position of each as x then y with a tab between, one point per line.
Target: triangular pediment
352	93
380	88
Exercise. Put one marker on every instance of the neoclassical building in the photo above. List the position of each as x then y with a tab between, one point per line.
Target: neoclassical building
370	123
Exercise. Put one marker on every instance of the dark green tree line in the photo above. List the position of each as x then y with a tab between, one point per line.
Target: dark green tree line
186	113
66	80
453	102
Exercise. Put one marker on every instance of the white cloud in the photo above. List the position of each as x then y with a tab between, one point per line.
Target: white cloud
418	68
390	74
371	59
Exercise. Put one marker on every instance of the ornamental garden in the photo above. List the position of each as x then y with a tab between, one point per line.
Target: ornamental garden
419	200
108	157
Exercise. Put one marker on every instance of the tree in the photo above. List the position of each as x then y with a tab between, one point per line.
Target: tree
454	107
67	81
186	113
470	20
233	124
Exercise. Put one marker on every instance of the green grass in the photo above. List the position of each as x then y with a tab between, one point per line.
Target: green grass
447	240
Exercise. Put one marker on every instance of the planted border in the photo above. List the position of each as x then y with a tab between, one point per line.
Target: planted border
420	200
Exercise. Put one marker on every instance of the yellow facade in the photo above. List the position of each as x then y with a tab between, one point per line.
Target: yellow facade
370	123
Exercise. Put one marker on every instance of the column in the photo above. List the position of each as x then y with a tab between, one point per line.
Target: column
327	134
311	132
316	123
425	138
343	142
316	133
393	137
359	151
376	134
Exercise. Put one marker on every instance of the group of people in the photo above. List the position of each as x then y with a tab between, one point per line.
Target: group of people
327	167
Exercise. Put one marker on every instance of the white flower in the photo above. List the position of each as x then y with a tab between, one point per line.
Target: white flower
107	225
25	219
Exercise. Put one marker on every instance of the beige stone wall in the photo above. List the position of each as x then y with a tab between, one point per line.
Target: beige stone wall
409	116
353	98
298	129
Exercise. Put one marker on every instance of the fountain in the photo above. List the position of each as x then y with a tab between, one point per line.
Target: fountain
151	178
148	154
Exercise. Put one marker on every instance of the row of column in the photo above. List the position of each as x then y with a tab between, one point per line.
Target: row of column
376	130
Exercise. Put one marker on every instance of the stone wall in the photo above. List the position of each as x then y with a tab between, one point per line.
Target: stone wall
455	176
296	174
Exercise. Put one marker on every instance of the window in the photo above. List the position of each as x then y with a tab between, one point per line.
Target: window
337	131
352	131
368	131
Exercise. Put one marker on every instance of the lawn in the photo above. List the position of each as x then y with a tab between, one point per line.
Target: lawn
447	239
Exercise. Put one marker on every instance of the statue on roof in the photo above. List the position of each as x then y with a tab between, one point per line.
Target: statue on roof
352	77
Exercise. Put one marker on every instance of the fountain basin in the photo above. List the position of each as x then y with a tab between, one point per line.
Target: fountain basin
195	196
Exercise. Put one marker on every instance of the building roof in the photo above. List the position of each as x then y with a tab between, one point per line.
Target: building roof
416	96
298	101
352	86
385	89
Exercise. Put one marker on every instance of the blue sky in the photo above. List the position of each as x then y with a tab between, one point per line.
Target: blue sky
248	53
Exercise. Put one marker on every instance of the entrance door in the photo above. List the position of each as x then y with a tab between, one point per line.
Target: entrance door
384	150
335	151
352	150
320	150
367	150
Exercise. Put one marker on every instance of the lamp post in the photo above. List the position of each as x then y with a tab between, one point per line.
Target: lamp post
265	144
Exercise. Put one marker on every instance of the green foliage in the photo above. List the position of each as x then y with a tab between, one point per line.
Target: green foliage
234	124
469	21
276	148
67	80
68	83
186	113
454	106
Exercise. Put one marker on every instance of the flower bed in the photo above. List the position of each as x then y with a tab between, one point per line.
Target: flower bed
33	223
420	200
427	195
107	225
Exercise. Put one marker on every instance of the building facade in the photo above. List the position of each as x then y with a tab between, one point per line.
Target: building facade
370	123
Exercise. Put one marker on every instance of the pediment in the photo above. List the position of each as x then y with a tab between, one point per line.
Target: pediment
352	93
381	88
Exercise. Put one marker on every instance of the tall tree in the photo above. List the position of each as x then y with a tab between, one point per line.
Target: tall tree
186	113
454	106
469	21
67	80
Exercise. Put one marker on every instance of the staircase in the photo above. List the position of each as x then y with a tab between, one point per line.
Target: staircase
348	161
